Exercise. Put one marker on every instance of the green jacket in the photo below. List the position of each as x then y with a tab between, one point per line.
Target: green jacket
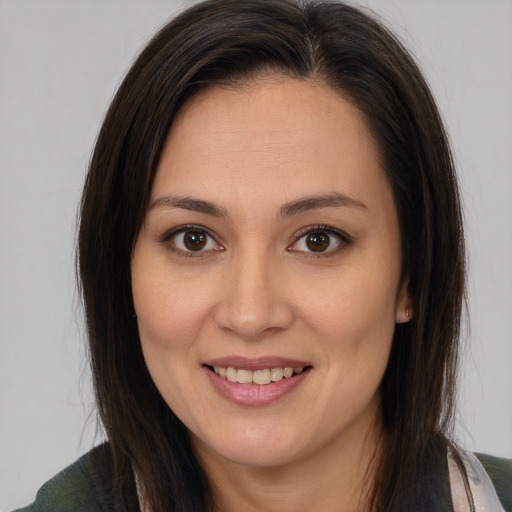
80	488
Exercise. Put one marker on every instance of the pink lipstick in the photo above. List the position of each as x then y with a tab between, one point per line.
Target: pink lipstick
254	382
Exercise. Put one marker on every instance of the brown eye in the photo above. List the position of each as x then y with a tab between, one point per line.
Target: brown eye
191	240
320	240
194	240
317	242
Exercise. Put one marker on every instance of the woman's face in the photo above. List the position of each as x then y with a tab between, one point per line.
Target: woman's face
271	243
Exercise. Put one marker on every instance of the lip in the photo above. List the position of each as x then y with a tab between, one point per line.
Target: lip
257	363
255	395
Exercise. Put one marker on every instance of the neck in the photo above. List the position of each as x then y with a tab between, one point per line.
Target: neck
338	477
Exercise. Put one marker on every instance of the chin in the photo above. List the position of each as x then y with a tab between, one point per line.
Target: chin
250	447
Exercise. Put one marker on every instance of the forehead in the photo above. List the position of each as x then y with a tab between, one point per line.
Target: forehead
276	135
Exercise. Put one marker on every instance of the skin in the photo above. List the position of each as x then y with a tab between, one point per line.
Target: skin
256	289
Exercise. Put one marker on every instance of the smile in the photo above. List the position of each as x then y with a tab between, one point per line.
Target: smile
261	377
256	382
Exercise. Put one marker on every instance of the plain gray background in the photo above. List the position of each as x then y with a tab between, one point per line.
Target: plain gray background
60	63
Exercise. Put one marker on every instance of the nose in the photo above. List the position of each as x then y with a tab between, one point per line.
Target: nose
254	301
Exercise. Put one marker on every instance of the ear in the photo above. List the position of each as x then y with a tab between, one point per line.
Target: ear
404	305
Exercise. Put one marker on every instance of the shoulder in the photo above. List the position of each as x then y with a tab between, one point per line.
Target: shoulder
78	488
500	472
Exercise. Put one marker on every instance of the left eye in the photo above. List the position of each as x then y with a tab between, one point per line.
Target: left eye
318	241
193	240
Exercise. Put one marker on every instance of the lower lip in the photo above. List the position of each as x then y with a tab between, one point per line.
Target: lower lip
255	394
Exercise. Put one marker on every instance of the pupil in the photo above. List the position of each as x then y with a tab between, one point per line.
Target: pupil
194	240
317	242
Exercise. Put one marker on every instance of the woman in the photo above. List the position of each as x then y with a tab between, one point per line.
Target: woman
272	290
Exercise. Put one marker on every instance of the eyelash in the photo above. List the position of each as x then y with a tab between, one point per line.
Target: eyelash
342	237
167	238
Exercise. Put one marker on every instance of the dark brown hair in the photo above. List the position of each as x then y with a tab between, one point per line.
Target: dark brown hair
232	41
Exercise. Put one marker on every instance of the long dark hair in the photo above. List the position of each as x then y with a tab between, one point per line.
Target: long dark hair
232	41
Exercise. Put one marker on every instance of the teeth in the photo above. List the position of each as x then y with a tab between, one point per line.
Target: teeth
276	374
232	374
244	376
260	377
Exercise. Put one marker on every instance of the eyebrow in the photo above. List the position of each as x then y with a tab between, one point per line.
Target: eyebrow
301	205
334	199
189	203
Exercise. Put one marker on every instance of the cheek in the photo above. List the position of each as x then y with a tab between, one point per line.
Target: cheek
352	306
170	309
353	317
169	316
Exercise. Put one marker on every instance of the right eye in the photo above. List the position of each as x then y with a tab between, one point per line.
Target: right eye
192	240
320	241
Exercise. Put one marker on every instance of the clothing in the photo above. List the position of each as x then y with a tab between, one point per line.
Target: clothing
81	488
470	484
78	488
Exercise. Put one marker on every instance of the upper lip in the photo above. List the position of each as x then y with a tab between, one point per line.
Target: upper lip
257	363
